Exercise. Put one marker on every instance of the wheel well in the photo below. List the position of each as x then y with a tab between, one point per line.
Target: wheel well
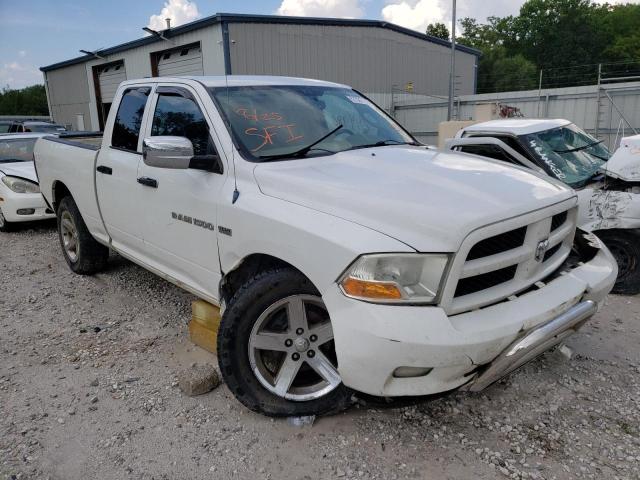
247	268
60	191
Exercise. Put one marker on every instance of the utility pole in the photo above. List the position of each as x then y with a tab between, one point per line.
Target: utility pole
452	71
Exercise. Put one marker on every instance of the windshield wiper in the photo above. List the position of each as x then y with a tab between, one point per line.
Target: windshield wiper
383	143
301	152
580	148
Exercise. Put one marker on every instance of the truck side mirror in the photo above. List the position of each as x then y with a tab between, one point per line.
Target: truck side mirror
167	152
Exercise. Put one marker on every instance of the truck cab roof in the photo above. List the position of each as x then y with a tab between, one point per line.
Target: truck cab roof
241	81
518	126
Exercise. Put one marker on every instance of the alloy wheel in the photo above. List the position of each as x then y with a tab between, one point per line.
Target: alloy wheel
291	349
69	234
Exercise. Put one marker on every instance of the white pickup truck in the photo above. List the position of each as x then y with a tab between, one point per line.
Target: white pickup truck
344	255
608	185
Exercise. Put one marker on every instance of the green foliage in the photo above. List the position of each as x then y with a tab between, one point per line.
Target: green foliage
26	101
564	38
438	30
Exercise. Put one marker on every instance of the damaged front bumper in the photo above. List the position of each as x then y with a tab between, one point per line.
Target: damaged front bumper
472	349
533	344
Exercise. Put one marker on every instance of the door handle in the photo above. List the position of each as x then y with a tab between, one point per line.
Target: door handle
104	169
149	182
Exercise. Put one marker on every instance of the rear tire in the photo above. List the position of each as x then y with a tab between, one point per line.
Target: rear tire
84	255
294	372
4	225
625	247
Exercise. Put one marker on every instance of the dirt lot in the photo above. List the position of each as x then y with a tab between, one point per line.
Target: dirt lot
88	391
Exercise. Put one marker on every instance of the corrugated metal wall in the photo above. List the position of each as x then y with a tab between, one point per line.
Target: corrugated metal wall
371	59
68	94
421	116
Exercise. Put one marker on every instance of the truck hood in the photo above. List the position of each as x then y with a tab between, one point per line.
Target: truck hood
24	170
625	162
427	199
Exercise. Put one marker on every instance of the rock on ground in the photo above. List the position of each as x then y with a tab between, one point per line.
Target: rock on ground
198	379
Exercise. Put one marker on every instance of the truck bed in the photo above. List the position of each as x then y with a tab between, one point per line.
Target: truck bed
68	163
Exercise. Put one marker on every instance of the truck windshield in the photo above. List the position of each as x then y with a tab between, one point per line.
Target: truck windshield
280	122
568	153
17	150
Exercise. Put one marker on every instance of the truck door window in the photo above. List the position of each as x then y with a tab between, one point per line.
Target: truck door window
181	117
490	151
126	128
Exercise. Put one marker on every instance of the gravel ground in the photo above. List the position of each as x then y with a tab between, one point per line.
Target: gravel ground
88	390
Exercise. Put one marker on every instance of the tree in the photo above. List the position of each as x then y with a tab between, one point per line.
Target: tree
27	101
438	30
558	33
567	39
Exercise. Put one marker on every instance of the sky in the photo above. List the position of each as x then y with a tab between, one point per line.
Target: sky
36	33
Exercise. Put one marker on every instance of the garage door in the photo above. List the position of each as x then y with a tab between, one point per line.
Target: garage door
110	77
181	61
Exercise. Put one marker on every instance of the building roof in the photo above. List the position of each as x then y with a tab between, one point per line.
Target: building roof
242	18
519	126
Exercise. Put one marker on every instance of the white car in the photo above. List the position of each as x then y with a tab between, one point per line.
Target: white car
20	198
608	185
343	254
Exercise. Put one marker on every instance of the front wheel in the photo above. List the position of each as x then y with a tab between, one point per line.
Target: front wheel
625	247
275	348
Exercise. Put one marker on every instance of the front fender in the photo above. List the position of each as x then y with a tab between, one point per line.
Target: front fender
320	245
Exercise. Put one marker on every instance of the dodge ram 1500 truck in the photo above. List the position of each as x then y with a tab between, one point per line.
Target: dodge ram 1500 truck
608	185
344	255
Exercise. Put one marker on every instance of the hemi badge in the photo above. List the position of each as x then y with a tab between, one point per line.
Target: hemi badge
224	230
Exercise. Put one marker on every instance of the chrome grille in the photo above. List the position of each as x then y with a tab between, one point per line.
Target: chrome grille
505	259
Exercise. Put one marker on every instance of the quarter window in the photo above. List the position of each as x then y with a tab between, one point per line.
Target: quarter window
180	116
126	128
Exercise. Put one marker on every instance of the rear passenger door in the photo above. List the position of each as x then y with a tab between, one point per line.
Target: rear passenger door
180	232
117	172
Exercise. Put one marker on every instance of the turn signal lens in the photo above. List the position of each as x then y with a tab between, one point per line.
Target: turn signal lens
373	290
395	277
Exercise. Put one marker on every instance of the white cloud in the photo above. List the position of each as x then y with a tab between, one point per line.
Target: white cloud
179	11
414	14
18	75
22	53
321	8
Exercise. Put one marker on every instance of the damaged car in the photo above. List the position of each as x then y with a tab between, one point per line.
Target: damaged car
608	185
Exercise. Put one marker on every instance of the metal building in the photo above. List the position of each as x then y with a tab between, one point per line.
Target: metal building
375	57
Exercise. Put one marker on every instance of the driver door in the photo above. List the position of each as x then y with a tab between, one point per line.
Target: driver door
180	232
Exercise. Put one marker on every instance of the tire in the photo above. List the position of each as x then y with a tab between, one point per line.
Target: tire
625	247
251	372
84	255
4	225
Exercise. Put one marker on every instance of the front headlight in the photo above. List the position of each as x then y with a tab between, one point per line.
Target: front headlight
20	185
395	277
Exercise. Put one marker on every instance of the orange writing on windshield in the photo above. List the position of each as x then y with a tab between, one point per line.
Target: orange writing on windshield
257	117
268	133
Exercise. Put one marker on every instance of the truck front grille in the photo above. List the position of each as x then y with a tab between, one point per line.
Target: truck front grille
467	286
498	243
558	220
502	260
